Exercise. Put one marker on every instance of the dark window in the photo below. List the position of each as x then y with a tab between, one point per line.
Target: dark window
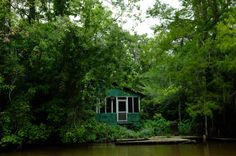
108	105
136	109
122	98
109	102
114	105
102	109
122	106
130	104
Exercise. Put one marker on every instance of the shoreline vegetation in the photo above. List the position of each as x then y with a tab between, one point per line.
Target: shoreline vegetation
154	140
98	132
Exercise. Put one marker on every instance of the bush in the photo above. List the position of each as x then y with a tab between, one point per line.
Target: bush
27	134
158	126
93	131
146	133
79	134
109	133
185	127
8	140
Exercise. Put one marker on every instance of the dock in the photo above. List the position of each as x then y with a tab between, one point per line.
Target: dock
155	140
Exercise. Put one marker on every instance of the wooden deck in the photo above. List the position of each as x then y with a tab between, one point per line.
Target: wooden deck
155	140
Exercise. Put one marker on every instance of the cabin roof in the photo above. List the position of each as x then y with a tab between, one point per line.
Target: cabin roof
119	92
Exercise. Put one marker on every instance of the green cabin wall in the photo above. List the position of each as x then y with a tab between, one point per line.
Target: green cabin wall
134	117
111	118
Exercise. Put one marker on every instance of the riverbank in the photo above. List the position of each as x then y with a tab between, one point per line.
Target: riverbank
170	140
154	140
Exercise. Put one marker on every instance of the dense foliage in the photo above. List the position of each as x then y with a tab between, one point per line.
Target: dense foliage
56	61
192	65
57	58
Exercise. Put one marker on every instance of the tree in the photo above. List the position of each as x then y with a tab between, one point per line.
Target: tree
187	57
55	70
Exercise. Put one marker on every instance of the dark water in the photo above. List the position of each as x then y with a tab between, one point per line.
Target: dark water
213	149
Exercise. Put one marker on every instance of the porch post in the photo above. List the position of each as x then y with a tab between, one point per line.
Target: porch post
117	110
126	104
139	104
132	104
111	105
105	105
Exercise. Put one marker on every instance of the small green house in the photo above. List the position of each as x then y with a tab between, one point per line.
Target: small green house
120	107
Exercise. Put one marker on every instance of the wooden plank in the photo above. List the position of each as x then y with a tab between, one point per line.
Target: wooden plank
155	140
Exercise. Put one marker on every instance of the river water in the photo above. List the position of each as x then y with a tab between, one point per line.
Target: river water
212	149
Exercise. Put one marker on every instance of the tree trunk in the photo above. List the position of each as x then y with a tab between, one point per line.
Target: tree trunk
179	111
206	125
32	11
59	7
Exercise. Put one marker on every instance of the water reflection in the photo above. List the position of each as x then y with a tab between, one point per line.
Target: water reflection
206	150
151	150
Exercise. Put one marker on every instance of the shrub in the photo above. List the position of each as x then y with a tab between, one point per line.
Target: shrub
185	127
8	140
158	126
146	133
93	131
